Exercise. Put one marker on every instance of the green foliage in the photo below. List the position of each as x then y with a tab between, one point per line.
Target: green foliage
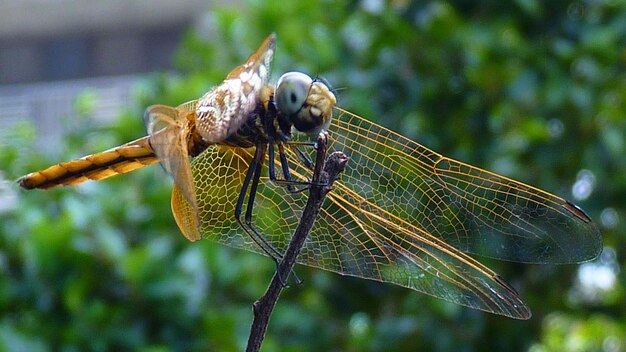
534	90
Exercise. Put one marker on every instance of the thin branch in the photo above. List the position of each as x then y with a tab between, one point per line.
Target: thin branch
325	173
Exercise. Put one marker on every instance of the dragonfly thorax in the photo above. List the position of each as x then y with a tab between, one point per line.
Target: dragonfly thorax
297	102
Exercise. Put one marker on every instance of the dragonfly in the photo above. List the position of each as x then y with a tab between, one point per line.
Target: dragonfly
400	213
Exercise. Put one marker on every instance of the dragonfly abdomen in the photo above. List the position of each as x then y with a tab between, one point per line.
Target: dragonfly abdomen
115	161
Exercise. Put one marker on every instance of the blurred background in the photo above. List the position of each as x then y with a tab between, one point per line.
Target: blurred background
531	89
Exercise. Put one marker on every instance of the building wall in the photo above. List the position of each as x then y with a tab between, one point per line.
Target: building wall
51	51
68	39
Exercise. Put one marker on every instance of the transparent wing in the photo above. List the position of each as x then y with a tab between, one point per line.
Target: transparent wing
218	175
400	213
396	180
343	240
168	135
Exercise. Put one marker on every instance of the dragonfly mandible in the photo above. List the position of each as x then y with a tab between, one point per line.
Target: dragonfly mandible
400	213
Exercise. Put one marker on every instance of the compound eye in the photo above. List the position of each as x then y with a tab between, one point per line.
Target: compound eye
292	91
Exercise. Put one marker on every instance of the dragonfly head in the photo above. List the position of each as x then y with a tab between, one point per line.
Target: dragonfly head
306	103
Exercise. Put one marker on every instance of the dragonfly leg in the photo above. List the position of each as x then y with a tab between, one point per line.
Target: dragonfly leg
288	181
255	164
272	169
248	221
305	158
252	179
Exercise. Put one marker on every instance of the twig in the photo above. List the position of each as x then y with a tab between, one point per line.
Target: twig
325	172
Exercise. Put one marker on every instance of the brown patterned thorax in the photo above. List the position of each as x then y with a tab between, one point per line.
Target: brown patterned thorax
242	112
226	110
262	125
